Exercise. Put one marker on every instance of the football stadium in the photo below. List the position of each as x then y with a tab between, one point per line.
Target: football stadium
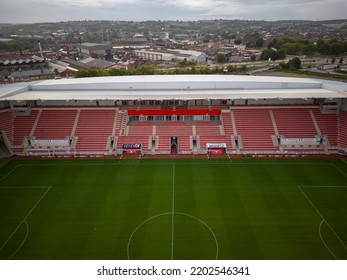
185	167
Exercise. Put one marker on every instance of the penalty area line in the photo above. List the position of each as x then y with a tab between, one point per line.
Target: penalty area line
25	239
8	173
338	169
31	210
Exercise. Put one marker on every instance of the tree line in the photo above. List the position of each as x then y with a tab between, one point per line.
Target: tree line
281	47
19	44
152	70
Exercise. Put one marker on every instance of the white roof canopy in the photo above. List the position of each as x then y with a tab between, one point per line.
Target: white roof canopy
179	87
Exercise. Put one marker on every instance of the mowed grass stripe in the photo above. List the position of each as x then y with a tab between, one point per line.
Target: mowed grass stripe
193	182
239	238
262	204
153	195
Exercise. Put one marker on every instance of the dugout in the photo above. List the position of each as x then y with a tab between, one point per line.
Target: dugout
131	149
216	148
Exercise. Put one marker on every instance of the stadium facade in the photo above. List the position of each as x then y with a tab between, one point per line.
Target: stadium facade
184	114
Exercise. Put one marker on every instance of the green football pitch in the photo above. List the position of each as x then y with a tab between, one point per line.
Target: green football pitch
174	209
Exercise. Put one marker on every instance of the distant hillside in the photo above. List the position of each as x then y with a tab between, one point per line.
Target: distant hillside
336	24
332	21
95	30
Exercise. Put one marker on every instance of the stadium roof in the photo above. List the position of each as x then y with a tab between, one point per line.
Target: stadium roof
170	87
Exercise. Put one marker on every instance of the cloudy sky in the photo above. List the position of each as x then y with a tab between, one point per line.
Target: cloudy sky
28	11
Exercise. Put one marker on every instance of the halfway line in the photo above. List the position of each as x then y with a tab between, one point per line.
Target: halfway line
173	211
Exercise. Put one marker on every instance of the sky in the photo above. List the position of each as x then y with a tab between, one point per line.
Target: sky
31	11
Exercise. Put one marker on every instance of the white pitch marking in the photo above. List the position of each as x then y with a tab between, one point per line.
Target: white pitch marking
8	173
321	238
168	213
300	187
173	211
343	173
32	209
25	238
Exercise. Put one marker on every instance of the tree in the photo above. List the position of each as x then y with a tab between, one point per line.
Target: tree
291	48
238	41
336	48
320	42
293	64
220	58
309	49
185	63
231	68
259	43
325	48
145	70
243	68
272	54
26	44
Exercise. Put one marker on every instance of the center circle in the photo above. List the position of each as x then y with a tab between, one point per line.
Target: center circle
172	235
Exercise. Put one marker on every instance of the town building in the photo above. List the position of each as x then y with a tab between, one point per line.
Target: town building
172	55
94	49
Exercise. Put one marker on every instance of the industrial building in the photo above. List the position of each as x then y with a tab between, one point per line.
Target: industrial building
94	49
172	55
